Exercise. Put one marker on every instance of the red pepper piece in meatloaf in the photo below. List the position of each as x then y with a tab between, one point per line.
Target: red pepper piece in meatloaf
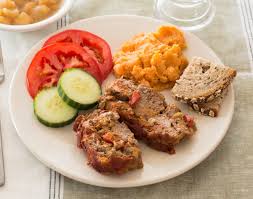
109	144
160	125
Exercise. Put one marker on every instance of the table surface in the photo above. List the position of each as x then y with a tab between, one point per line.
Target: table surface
228	171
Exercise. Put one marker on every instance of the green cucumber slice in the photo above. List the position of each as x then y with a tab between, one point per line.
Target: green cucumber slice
51	110
79	89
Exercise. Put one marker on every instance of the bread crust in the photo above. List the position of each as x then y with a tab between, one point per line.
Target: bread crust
202	71
211	108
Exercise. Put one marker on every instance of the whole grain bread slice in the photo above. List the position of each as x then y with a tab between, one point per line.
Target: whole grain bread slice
202	81
211	108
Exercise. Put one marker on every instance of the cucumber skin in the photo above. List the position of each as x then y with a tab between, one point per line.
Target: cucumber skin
72	103
56	125
53	125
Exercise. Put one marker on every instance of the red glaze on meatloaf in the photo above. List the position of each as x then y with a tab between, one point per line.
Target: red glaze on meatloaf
109	144
148	116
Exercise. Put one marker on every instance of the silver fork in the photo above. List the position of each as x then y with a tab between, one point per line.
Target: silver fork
1	65
2	174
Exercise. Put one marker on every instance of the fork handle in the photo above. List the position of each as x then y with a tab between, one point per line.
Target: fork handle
2	175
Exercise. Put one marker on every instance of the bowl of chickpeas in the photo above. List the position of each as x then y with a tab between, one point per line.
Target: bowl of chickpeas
30	15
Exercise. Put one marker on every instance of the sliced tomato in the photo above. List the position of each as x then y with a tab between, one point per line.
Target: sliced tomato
48	64
97	47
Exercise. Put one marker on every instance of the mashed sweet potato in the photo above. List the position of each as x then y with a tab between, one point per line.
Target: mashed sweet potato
154	59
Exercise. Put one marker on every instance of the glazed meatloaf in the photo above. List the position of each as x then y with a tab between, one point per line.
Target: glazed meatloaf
146	113
109	144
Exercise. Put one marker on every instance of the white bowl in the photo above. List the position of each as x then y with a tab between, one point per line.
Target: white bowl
64	8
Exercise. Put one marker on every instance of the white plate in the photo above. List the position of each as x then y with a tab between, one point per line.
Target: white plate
57	148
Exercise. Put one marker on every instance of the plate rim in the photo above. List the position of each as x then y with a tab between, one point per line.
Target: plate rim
134	184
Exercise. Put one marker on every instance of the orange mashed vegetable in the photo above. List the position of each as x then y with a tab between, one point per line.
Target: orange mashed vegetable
154	59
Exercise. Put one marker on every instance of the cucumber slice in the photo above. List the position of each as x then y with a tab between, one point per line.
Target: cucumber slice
51	110
79	89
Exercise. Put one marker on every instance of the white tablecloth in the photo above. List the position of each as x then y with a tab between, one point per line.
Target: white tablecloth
26	177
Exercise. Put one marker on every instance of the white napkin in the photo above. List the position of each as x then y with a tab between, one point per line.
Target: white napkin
26	177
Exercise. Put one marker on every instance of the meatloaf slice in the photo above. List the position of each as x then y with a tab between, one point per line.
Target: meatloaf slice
109	144
165	130
146	101
147	115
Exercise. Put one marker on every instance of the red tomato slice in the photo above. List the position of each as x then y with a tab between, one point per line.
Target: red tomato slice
48	64
97	47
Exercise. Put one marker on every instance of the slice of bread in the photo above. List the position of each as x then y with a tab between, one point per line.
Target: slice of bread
202	81
211	108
